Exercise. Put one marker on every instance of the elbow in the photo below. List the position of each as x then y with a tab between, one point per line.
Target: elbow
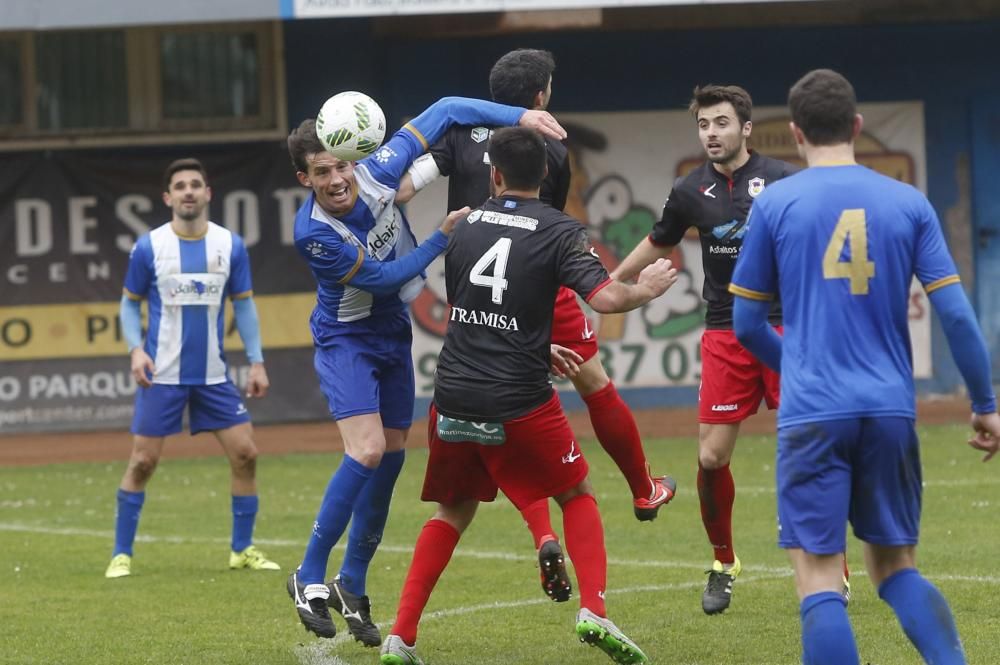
606	302
744	333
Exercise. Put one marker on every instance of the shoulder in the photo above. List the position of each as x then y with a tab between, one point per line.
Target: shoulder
557	152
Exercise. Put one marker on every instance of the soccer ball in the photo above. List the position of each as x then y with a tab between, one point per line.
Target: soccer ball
350	125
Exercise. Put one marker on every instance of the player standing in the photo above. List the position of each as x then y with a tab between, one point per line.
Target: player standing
186	269
842	243
715	199
367	265
494	407
523	77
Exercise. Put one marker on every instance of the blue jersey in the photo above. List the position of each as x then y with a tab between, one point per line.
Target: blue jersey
842	244
340	250
186	281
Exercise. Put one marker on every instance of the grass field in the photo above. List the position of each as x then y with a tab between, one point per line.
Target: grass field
182	605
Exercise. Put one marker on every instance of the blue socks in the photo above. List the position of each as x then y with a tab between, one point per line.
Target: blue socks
924	615
127	520
244	514
827	638
334	514
371	509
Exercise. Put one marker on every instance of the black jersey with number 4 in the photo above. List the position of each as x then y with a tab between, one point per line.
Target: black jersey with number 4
718	208
503	267
461	155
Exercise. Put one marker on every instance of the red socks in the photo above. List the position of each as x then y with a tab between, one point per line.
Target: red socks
433	551
716	492
536	516
615	428
584	536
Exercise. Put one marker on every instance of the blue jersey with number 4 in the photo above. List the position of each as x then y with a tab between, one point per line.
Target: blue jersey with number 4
842	245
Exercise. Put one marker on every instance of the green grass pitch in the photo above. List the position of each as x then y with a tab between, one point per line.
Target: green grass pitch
183	606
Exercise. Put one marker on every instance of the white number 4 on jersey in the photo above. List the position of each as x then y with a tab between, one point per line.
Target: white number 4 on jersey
497	255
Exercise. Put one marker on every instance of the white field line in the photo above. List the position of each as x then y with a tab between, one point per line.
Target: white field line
320	652
395	549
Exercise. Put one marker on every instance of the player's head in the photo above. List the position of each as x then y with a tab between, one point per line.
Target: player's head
523	78
518	160
723	114
824	109
331	179
186	190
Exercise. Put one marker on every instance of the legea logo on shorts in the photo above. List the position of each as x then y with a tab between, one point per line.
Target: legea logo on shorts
725	407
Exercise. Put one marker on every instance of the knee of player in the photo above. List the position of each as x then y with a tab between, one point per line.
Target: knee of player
369	453
245	458
712	457
142	465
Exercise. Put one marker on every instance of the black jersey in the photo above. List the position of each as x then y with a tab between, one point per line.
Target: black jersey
503	267
461	155
718	207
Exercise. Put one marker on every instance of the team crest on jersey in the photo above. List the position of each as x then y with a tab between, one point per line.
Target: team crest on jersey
480	134
384	154
474	216
755	186
315	248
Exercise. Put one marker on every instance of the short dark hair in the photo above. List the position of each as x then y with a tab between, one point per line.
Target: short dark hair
185	164
710	95
823	106
519	154
520	75
304	141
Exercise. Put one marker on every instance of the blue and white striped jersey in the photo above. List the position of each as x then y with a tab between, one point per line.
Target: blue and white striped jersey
341	250
186	281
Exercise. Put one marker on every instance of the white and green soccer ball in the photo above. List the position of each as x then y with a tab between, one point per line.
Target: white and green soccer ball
350	125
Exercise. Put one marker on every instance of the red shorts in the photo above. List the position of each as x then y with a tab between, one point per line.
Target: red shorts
733	381
570	326
539	459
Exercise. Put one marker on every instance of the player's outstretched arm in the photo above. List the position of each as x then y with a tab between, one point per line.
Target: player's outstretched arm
618	296
644	254
386	277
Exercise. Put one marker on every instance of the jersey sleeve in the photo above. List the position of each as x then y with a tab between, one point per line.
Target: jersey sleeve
933	264
555	187
756	274
579	267
443	153
329	256
139	276
390	162
674	221
240	285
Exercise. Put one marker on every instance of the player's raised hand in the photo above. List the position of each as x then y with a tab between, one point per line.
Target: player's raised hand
542	121
658	276
453	218
143	367
257	381
987	437
565	362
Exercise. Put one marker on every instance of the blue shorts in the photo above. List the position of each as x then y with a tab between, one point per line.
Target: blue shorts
362	374
159	409
866	470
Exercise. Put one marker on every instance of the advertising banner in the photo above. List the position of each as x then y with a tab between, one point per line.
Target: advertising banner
69	219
